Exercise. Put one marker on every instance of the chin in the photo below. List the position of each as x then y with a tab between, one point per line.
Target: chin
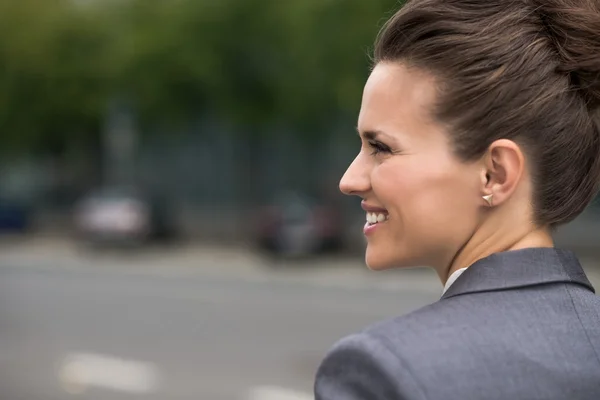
378	261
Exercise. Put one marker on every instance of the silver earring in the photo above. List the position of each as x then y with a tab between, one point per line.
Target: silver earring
489	199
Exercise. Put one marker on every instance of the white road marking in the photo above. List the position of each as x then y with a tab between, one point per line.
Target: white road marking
80	371
277	393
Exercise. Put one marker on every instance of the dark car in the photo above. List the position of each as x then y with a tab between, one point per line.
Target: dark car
122	216
295	224
14	216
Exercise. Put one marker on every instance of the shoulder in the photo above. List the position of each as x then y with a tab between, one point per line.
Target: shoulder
364	366
421	328
399	358
372	364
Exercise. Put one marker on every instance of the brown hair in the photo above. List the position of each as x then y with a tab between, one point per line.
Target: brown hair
525	70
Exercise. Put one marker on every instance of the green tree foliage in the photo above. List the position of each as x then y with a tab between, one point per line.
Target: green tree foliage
248	61
53	74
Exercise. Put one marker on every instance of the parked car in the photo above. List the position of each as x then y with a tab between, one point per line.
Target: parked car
122	216
295	224
14	216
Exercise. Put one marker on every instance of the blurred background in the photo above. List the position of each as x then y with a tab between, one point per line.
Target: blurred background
170	223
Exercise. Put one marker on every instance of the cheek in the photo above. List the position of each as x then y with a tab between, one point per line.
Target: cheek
438	192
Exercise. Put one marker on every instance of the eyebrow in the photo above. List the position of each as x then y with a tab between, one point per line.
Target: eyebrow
369	135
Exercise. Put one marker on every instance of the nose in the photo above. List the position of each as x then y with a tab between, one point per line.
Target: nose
356	178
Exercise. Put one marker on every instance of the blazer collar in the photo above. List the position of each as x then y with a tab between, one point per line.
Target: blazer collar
520	268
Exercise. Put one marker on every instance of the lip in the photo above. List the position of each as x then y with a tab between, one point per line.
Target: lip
369	229
370	208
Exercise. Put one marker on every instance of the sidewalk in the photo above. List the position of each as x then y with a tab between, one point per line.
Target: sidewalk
60	251
213	261
219	261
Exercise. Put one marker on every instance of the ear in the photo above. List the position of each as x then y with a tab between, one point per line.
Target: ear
504	165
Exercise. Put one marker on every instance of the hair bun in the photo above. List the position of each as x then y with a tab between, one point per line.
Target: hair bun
574	28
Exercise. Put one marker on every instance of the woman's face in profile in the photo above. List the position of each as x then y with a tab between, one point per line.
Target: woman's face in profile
425	202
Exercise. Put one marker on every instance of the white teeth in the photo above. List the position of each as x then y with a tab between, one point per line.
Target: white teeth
374	218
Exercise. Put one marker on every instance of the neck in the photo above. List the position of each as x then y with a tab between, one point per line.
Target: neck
484	244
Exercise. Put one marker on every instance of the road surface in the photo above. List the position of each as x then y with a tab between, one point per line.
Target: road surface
113	333
205	326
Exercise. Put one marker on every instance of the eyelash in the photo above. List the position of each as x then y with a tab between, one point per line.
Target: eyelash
379	148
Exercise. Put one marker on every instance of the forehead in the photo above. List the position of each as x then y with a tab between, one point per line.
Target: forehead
396	97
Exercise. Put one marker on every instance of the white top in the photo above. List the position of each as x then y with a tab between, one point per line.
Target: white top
453	278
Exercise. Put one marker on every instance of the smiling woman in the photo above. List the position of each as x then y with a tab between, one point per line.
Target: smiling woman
480	132
406	170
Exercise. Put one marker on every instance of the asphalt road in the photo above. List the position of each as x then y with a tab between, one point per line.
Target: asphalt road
201	323
110	333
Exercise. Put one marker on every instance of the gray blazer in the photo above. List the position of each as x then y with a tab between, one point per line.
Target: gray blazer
520	325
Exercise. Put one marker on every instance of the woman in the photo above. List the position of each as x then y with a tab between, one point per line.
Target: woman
480	131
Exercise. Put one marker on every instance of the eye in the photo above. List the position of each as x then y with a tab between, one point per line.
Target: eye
378	148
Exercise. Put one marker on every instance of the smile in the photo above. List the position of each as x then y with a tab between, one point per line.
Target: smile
375	218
